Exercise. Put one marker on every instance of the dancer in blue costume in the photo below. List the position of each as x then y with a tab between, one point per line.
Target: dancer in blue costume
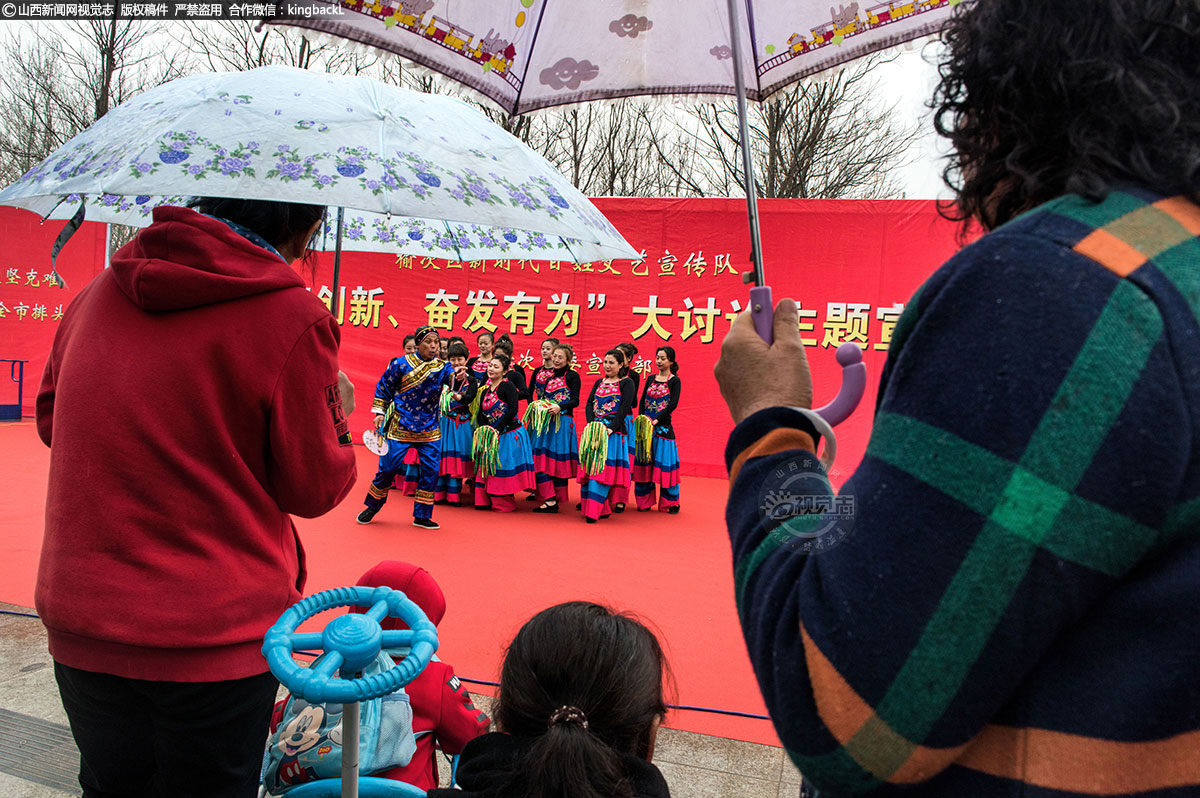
537	380
620	493
556	452
661	470
412	385
610	401
406	481
456	466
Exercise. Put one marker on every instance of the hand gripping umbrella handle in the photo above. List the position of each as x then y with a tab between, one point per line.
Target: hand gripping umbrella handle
849	356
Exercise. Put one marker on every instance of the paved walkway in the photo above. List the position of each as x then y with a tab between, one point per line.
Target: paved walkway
38	759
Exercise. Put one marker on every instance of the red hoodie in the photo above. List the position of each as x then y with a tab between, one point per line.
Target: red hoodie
191	402
443	714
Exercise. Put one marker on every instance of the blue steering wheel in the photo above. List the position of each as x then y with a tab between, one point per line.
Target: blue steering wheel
350	642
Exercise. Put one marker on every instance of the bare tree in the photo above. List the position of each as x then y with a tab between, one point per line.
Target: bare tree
238	45
826	138
66	78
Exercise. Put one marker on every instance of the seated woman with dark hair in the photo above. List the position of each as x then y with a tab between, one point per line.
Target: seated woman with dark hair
580	702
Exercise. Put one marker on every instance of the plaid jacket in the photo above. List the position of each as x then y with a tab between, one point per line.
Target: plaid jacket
1005	598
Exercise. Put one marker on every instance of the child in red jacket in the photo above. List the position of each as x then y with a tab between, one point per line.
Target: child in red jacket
443	715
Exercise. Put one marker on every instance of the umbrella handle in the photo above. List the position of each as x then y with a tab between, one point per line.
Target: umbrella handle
762	310
849	356
854	384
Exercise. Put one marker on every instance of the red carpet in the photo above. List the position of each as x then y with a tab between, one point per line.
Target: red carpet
496	571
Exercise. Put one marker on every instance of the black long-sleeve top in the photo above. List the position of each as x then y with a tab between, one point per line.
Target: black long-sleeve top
516	375
502	414
636	378
478	373
536	388
661	405
563	389
614	413
468	387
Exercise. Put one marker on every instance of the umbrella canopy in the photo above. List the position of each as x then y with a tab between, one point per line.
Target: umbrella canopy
534	54
364	231
429	175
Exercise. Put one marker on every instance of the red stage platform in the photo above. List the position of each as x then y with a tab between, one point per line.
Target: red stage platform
497	570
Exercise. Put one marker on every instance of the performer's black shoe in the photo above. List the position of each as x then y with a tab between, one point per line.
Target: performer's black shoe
644	509
366	515
531	497
546	507
578	505
590	520
426	523
619	507
483	507
673	510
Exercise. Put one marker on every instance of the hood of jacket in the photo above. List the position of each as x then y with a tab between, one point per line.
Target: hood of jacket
414	582
188	260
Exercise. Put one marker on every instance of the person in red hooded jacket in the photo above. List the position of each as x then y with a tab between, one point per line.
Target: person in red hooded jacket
443	715
192	402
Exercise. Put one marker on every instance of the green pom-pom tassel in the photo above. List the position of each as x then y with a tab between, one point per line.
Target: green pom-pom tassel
485	451
388	415
593	448
475	405
643	432
446	400
538	414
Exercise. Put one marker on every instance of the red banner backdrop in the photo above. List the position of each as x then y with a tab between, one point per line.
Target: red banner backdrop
851	264
30	302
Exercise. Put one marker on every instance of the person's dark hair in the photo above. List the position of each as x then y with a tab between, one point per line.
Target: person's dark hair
486	335
503	346
670	350
1045	99
457	339
552	341
608	666
277	222
568	349
407	338
624	357
506	340
504	358
457	349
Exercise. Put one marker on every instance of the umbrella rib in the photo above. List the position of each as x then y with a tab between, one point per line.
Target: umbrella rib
529	58
453	240
753	51
574	257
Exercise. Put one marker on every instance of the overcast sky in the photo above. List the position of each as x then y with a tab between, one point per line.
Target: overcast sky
911	80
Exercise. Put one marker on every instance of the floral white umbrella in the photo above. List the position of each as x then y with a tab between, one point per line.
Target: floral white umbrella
430	175
364	231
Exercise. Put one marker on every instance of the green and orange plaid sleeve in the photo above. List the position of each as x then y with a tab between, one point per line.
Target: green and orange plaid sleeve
984	607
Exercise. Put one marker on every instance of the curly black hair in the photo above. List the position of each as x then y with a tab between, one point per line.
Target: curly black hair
1044	99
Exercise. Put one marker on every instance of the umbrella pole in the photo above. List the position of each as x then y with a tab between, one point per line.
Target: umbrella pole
337	264
762	307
